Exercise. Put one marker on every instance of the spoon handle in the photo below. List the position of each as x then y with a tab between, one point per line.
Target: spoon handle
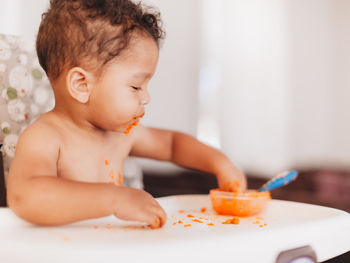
279	181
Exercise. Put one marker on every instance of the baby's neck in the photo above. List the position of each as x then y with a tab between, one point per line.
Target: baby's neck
76	120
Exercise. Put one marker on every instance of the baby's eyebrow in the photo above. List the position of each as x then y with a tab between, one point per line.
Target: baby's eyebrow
142	75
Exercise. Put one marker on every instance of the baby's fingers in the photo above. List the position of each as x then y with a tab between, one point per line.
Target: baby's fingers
152	215
160	213
152	220
239	186
234	186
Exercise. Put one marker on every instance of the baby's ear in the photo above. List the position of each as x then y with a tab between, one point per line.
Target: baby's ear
78	84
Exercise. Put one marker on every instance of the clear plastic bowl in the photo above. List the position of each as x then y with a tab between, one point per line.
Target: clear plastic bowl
248	203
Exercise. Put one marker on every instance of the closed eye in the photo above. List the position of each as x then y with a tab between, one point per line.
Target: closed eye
136	88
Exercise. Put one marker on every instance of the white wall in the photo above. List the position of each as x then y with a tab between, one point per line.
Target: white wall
255	108
320	75
21	17
174	88
285	88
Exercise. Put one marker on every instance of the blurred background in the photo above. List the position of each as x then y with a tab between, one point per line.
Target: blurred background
267	82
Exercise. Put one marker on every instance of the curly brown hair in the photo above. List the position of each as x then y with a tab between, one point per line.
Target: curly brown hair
83	32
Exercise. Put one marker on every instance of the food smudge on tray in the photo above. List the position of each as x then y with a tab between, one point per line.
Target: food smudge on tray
207	217
233	221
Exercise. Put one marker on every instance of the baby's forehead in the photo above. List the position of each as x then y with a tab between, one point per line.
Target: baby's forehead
140	46
141	50
137	62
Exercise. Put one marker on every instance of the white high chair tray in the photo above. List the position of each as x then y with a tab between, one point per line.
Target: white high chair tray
283	225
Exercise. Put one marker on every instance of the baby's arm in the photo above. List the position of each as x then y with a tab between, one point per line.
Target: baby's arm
36	194
187	151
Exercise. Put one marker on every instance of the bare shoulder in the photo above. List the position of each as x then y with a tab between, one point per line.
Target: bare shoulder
37	149
41	131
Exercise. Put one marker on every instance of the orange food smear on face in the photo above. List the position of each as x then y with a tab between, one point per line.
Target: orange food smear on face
181	211
189	215
210	224
203	210
196	220
234	221
140	116
174	223
180	222
127	131
188	225
106	162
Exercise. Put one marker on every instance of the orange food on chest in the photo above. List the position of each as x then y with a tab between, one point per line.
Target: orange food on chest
120	179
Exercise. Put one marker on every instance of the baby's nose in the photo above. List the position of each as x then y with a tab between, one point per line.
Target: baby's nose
146	98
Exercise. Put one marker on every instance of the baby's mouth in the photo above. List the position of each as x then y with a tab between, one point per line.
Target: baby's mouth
139	116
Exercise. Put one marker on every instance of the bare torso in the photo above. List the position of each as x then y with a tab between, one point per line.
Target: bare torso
89	156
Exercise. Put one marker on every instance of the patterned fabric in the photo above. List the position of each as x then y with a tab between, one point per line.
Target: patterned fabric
25	94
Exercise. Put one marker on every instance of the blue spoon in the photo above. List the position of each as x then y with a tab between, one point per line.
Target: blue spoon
280	180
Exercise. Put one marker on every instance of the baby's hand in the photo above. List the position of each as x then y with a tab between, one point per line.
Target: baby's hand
138	205
232	179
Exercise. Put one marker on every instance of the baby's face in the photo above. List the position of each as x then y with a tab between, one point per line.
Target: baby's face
120	93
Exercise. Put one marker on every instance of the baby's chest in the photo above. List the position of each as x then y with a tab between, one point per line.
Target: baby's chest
92	162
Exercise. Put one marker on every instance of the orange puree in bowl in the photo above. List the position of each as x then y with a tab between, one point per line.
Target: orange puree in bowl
239	204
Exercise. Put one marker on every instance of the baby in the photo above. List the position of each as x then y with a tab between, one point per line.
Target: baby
99	57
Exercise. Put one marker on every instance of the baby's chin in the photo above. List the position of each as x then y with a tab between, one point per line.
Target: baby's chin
125	128
132	124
